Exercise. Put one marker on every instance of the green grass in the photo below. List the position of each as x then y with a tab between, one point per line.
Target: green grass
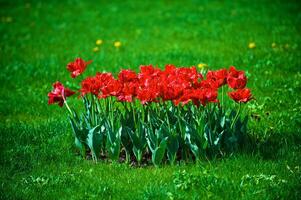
37	157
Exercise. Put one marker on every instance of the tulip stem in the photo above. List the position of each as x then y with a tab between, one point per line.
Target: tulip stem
65	102
222	96
134	114
236	116
166	109
92	110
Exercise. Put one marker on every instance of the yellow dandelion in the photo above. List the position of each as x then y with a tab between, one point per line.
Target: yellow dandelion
98	42
252	45
274	45
95	49
202	65
117	44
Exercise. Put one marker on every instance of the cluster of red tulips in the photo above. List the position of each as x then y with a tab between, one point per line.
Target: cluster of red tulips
172	121
179	85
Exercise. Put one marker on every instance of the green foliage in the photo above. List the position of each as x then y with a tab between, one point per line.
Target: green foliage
172	148
157	144
106	126
138	140
113	141
95	140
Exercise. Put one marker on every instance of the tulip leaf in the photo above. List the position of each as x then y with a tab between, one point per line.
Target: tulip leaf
79	133
158	154
125	140
172	148
223	121
218	138
94	141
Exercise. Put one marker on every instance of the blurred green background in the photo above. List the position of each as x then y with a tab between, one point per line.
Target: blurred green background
38	39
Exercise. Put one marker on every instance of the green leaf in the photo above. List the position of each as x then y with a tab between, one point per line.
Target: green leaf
222	122
244	125
151	146
138	144
138	154
81	147
78	143
218	138
133	137
195	150
232	114
125	140
193	147
151	139
158	154
205	144
172	148
207	134
114	140
162	131
114	150
94	141
79	133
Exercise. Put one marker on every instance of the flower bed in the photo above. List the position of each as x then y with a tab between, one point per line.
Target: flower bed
167	115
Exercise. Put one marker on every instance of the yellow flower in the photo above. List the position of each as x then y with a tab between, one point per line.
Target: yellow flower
98	42
252	45
117	44
95	49
274	45
202	65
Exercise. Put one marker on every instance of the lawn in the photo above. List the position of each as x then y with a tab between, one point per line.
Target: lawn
38	158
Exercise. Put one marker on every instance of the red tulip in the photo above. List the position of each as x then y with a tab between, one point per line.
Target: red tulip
236	79
127	75
107	85
148	70
209	83
59	94
77	67
102	85
128	81
111	88
219	76
198	96
90	85
210	96
149	87
241	95
128	91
